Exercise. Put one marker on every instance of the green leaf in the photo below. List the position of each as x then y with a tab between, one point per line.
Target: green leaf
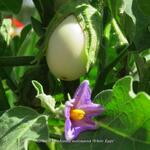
20	125
5	29
12	6
125	111
47	101
38	87
146	55
15	44
143	67
142	34
45	9
18	41
144	6
125	123
129	10
104	139
39	7
134	14
33	146
3	45
139	23
37	26
25	32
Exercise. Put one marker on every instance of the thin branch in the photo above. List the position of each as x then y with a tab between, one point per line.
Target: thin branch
10	61
55	136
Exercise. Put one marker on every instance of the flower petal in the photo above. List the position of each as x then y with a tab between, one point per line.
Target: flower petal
82	94
67	112
68	124
81	100
82	125
92	109
69	133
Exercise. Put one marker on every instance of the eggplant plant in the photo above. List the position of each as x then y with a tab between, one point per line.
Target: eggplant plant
76	76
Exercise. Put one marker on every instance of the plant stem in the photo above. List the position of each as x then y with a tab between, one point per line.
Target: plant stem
123	45
11	83
10	61
122	38
100	82
55	136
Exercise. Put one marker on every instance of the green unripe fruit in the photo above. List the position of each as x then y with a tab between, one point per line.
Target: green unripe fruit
72	40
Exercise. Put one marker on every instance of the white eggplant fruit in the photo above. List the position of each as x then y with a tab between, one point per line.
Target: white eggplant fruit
72	40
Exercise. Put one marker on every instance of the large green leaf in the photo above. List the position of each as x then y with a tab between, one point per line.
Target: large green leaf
139	24
142	35
10	5
20	125
126	111
104	139
133	17
144	6
143	67
125	121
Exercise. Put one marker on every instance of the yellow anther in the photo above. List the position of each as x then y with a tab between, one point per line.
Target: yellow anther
77	114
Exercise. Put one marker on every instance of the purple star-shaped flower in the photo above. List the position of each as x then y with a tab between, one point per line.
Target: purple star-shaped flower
79	112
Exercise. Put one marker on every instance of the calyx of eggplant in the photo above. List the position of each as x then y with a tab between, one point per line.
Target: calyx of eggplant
72	40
